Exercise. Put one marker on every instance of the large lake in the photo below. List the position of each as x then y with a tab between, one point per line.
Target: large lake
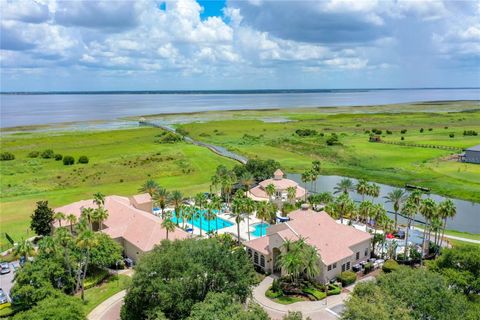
468	213
36	109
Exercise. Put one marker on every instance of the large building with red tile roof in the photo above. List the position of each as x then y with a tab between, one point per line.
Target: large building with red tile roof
138	231
281	184
339	246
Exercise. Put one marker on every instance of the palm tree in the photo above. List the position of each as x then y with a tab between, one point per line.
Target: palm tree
189	213
64	239
365	210
210	215
99	199
72	220
238	213
23	249
149	187
373	190
409	210
325	198
168	225
310	260
86	241
216	203
247	180
270	190
47	245
397	198
343	206
362	188
160	198
176	199
446	210
306	178
249	207
200	203
263	212
428	209
344	186
227	182
88	215
59	216
291	194
100	215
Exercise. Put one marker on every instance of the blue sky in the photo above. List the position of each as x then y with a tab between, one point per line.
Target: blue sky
238	44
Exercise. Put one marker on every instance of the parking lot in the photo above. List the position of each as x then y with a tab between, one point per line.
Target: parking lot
6	280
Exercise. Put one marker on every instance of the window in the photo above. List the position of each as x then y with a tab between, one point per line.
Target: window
255	258
335	265
262	261
329	267
358	255
343	267
348	265
250	253
366	252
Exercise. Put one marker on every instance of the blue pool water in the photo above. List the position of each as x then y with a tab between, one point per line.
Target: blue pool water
214	224
260	229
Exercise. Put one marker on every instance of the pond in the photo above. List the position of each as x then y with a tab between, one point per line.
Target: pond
468	213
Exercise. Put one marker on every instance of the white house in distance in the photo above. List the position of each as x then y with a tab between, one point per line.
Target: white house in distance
339	246
130	222
281	184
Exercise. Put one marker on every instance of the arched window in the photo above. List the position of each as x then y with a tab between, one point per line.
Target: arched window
262	261
255	258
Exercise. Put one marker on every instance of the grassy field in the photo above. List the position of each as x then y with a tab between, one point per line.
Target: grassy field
355	156
120	161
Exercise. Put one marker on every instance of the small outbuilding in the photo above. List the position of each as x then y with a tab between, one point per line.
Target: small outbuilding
472	154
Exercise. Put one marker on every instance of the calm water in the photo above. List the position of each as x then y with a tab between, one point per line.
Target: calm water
468	213
35	109
205	224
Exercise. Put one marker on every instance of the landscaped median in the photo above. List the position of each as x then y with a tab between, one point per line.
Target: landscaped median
285	292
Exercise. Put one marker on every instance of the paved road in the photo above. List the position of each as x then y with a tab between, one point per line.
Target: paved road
6	280
109	309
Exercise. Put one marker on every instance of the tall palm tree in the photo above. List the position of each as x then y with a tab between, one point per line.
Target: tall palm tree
270	190
228	181
99	199
325	198
344	186
168	225
263	212
150	187
59	216
176	199
160	198
291	194
344	206
246	180
64	239
428	209
86	241
249	207
362	188
216	203
23	249
72	220
209	215
200	203
373	190
365	210
446	209
306	178
189	213
238	213
47	245
88	215
397	198
409	210
310	260
316	168
100	215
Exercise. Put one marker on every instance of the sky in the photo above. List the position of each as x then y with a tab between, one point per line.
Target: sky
53	45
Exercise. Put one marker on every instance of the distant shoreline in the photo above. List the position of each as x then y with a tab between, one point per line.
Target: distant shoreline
234	91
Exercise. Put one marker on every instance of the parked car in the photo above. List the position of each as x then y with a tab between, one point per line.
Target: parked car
128	262
356	267
4	268
3	297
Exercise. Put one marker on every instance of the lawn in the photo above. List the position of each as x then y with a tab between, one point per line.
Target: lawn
355	156
96	295
119	162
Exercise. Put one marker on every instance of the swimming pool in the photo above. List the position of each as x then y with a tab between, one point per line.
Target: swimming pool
207	226
260	229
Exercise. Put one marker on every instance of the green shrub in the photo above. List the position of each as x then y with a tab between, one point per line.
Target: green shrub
33	154
68	160
318	295
58	157
430	129
389	266
389	132
83	159
273	295
421	130
451	135
96	278
276	286
403	131
470	133
333	140
347	278
333	290
402	138
368	267
306	132
47	154
6	156
182	132
168	137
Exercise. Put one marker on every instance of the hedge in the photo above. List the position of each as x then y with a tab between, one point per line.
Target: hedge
58	157
317	294
68	160
347	278
389	266
47	154
83	159
95	279
33	154
5	156
273	295
333	290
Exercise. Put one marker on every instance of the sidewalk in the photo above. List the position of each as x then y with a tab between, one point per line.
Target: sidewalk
454	237
312	309
108	309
